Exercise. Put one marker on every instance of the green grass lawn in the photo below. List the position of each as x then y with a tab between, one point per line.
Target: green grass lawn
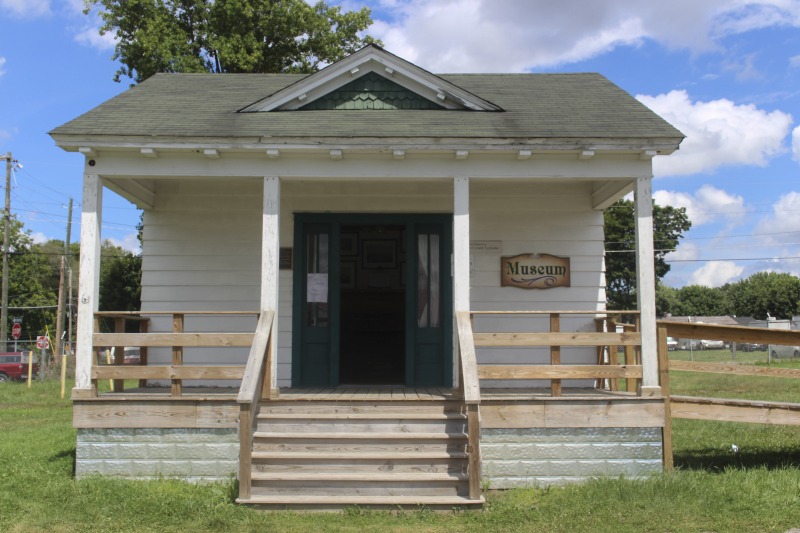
713	489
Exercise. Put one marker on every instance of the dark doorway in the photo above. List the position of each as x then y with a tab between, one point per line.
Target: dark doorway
372	338
372	300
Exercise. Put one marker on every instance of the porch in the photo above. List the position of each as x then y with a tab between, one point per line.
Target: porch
379	445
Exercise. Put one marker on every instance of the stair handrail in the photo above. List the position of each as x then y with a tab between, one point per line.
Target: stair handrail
471	392
471	388
257	376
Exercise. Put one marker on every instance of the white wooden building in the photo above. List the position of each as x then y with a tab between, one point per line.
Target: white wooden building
324	310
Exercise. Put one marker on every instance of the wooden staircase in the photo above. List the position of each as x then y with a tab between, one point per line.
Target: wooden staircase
332	454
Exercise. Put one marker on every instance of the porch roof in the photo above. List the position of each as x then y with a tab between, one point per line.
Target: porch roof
534	106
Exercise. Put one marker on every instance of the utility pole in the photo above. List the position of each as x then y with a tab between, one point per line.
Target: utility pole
6	224
58	348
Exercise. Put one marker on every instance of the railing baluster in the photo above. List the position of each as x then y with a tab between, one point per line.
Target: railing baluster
119	354
95	355
177	353
555	354
144	327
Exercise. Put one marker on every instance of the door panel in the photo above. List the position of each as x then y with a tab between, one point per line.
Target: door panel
316	288
431	324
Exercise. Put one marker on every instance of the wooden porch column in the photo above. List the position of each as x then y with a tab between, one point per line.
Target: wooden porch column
461	243
89	283
270	252
646	284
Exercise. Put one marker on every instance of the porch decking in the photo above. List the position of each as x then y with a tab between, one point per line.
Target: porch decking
368	394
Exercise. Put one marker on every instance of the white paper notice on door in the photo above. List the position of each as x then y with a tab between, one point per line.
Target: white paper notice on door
317	288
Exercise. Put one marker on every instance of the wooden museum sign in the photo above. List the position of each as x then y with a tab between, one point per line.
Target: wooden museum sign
534	271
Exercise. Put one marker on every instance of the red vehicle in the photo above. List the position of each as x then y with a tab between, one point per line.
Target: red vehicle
14	365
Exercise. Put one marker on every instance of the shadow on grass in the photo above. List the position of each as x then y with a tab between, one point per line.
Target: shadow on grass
70	454
714	460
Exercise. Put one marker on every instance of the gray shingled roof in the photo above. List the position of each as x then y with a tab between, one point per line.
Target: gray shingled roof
535	106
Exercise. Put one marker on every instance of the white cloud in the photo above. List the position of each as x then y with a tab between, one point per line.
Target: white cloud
796	144
2	65
718	133
686	251
708	204
783	222
90	36
794	61
26	8
39	237
129	242
510	36
716	273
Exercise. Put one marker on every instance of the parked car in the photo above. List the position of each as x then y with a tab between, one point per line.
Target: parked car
672	344
14	366
780	350
132	355
751	347
711	345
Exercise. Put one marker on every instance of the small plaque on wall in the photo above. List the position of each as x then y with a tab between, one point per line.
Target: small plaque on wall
534	271
285	259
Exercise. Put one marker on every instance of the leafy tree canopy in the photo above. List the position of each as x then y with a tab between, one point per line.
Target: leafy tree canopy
228	35
669	225
765	293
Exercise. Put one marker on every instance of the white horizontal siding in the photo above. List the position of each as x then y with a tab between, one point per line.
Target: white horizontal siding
544	219
202	251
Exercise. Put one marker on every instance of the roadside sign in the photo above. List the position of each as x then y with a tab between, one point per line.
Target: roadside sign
16	319
42	342
16	330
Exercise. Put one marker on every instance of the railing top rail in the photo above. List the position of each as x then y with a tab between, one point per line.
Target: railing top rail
133	314
555	312
696	330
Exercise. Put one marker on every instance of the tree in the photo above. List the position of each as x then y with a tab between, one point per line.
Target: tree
120	279
669	225
765	293
228	35
30	282
698	300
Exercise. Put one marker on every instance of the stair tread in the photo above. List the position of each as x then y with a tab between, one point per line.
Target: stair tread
360	500
388	417
398	435
360	476
359	455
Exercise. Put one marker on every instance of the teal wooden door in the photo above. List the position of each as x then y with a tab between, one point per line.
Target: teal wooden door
430	310
316	292
426	252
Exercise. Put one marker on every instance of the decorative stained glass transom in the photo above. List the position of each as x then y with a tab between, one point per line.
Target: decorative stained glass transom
371	91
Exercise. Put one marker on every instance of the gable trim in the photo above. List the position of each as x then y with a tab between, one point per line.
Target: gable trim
372	58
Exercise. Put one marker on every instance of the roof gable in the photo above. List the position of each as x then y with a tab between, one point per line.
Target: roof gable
371	91
372	63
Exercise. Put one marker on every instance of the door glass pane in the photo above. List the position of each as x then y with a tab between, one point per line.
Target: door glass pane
422	281
428	281
317	279
434	282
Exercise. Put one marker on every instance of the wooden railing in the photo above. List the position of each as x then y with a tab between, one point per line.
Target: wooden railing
177	340
470	389
722	409
607	369
256	385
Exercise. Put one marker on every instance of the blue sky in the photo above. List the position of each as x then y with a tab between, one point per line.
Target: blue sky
726	73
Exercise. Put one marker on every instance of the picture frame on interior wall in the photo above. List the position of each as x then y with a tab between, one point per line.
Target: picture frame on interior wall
380	254
347	275
348	244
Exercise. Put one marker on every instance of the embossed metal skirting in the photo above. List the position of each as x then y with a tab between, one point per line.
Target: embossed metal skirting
539	457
